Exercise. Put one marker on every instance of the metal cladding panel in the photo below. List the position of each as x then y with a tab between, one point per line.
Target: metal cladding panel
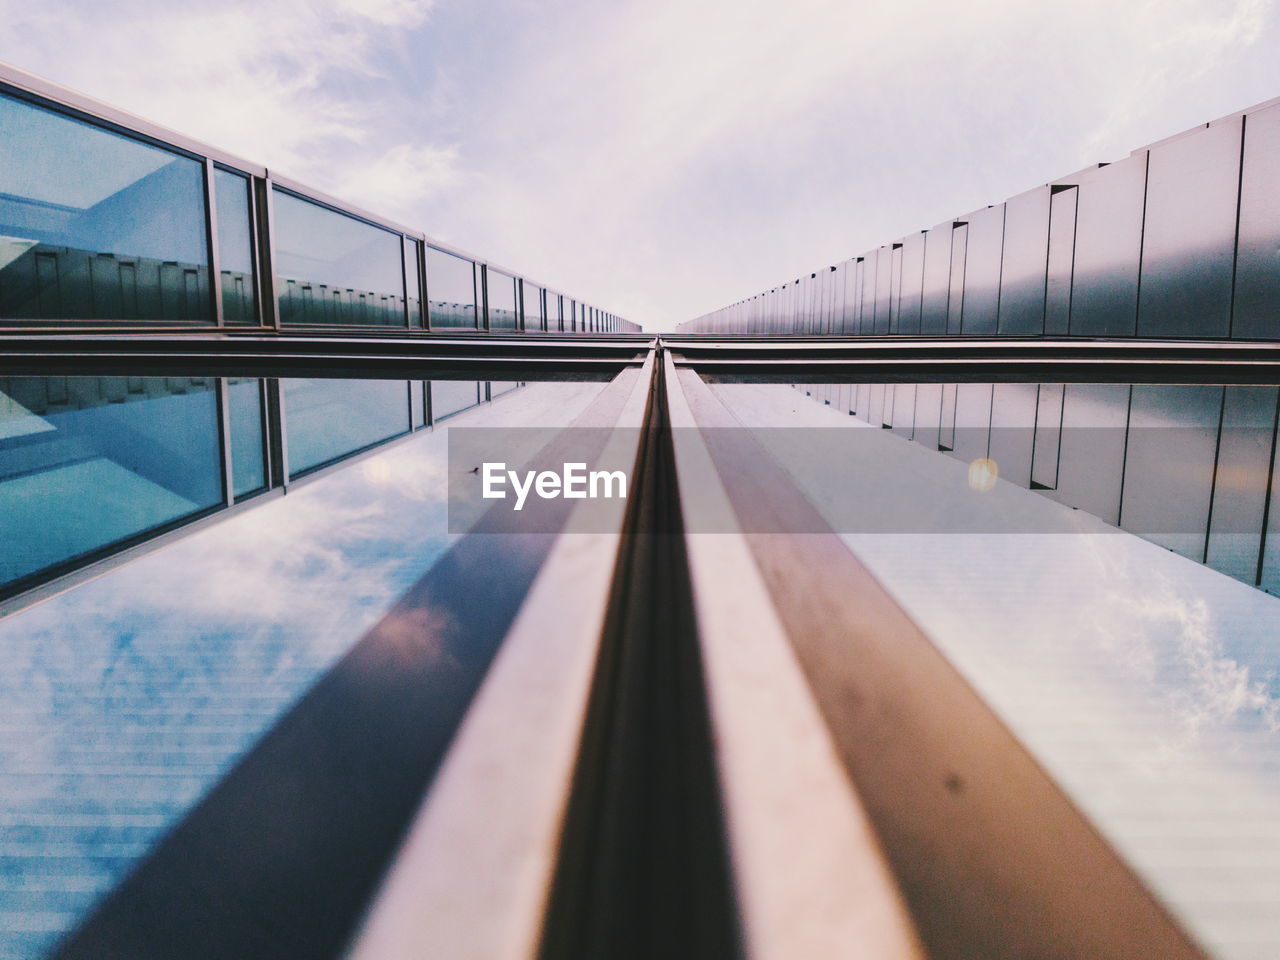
884	287
972	421
1024	263
1062	250
1188	248
1104	288
904	409
955	298
1169	464
870	271
1240	488
1257	293
847	297
875	405
912	283
1013	420
862	401
928	414
1092	447
853	302
1044	457
982	271
947	417
937	279
895	289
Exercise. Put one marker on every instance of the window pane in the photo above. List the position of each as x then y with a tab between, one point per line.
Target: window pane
502	301
532	306
95	226
412	268
333	269
248	469
452	396
329	419
235	247
451	290
89	461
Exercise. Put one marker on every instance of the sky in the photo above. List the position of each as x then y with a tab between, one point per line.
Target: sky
662	158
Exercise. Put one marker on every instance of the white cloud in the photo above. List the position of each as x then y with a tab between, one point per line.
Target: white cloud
267	80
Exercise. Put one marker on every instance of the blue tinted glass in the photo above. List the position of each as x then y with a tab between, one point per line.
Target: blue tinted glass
328	419
502	301
451	290
95	226
452	396
247	467
333	269
235	247
89	461
142	688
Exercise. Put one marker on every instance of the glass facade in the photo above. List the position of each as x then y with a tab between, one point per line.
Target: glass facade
140	691
981	661
87	463
101	228
331	419
531	299
97	226
501	289
451	290
332	269
235	248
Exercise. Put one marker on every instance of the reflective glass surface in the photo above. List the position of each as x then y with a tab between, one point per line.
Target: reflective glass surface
334	269
96	226
1023	263
412	273
86	462
125	700
235	247
328	419
1257	289
955	298
1144	683
1108	241
532	300
984	243
1061	264
502	300
937	280
451	290
1189	232
452	396
554	301
248	464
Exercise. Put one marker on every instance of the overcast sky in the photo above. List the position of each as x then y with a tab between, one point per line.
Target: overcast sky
662	157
